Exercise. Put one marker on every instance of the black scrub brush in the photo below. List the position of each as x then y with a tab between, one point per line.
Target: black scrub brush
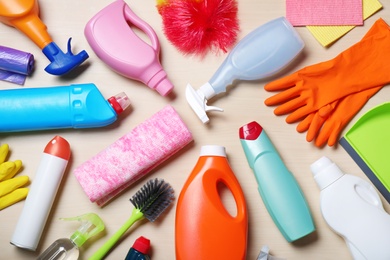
149	202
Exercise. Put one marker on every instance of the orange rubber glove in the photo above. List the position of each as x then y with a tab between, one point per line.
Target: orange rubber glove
364	65
326	124
333	120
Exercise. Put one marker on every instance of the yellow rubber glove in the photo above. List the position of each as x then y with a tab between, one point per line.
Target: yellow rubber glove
10	191
364	65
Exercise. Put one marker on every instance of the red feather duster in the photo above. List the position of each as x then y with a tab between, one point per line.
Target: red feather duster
199	26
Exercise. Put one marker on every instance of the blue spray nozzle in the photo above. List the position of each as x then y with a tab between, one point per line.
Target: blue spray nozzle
62	63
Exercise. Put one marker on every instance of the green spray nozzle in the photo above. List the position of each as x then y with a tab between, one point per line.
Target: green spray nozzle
91	225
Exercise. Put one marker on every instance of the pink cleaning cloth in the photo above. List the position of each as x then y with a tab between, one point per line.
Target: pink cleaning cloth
133	155
324	12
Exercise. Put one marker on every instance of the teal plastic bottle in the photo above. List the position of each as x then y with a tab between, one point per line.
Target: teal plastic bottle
139	250
277	186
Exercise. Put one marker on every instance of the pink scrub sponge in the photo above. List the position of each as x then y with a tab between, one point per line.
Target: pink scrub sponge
133	155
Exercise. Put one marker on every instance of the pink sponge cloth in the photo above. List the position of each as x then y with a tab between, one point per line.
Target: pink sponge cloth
133	155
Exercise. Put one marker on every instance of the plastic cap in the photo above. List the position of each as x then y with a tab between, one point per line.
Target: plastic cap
325	172
91	225
58	147
164	87
212	150
119	102
142	245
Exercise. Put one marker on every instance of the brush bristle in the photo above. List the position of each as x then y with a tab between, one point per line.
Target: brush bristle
199	26
153	198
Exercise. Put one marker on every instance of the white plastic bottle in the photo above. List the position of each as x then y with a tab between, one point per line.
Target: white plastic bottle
353	209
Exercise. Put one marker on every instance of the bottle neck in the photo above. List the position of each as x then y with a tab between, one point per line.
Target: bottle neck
325	172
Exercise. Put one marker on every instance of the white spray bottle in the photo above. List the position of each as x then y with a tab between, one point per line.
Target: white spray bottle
353	209
260	54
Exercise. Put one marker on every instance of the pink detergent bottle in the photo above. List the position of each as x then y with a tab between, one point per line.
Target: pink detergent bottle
111	37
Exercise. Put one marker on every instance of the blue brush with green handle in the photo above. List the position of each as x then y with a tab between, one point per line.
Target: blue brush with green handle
277	186
149	202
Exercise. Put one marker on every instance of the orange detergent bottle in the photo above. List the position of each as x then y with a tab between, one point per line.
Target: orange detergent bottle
204	228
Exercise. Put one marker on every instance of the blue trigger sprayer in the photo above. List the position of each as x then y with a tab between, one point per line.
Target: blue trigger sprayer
260	54
278	188
24	16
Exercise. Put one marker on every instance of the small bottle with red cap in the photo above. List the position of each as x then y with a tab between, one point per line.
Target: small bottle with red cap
139	250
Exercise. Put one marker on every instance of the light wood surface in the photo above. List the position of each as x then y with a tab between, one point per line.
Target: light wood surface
242	103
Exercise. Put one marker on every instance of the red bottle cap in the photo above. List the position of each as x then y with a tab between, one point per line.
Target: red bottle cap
142	245
58	147
250	131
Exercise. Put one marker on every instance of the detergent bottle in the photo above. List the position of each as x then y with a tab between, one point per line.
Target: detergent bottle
72	106
278	188
114	41
204	229
68	248
353	209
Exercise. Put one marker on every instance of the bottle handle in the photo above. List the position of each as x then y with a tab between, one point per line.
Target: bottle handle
233	186
145	27
367	192
239	198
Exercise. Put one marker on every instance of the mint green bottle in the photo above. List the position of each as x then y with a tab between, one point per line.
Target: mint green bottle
277	186
68	248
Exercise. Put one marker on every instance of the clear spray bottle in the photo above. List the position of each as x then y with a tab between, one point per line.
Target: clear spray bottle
68	248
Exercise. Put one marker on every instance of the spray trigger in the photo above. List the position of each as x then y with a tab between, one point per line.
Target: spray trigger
60	62
198	101
91	225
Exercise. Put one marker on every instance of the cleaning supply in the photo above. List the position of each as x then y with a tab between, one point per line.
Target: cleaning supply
368	144
326	124
68	248
324	12
24	16
353	209
364	65
199	26
149	202
260	54
139	250
133	156
327	35
111	36
11	188
277	186
204	229
73	106
15	65
41	196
